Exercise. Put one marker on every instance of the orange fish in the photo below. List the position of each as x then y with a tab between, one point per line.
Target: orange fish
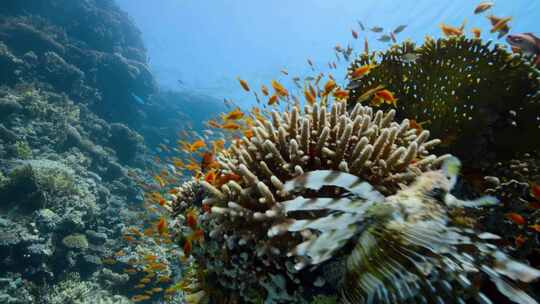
244	84
452	31
483	6
234	115
206	208
160	181
272	100
187	247
210	177
535	227
139	298
198	235
279	89
476	32
520	240
248	133
500	25
230	126
162	227
384	96
191	218
310	98
213	124
362	71
196	145
264	90
341	94
207	161
516	218
329	86
354	34
223	179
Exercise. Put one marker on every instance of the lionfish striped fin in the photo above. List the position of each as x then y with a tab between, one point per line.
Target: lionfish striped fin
315	180
400	262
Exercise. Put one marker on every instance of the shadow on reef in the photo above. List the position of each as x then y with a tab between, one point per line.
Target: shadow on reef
480	100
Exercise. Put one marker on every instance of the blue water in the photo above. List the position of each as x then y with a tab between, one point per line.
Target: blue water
207	44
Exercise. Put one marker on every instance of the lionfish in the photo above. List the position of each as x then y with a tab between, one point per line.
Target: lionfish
406	249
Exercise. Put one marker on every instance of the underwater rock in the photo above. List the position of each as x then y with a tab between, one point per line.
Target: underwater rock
126	142
47	220
98	238
76	241
59	73
9	106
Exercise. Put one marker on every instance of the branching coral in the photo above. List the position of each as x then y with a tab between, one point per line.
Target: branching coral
369	145
474	97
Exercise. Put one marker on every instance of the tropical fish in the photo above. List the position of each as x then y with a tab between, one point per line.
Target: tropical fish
334	65
535	227
483	6
264	90
504	29
501	25
234	115
528	43
385	96
376	29
208	161
284	72
452	31
535	190
407	242
244	84
230	126
257	97
310	62
362	71
273	99
329	86
399	29
341	94
393	37
476	32
160	181
354	34
139	298
410	57
366	46
279	89
361	25
161	226
196	145
384	38
516	218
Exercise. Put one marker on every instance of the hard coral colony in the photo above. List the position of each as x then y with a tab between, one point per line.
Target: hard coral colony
314	203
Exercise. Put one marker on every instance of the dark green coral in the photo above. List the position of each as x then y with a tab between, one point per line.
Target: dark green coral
476	97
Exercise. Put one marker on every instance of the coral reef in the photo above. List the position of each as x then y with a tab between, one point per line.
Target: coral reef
476	98
242	244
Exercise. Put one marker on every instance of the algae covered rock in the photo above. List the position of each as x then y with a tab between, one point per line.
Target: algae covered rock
75	241
475	97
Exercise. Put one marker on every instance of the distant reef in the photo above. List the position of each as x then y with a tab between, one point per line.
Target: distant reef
89	50
79	114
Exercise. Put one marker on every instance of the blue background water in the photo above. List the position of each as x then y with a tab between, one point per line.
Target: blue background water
207	44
